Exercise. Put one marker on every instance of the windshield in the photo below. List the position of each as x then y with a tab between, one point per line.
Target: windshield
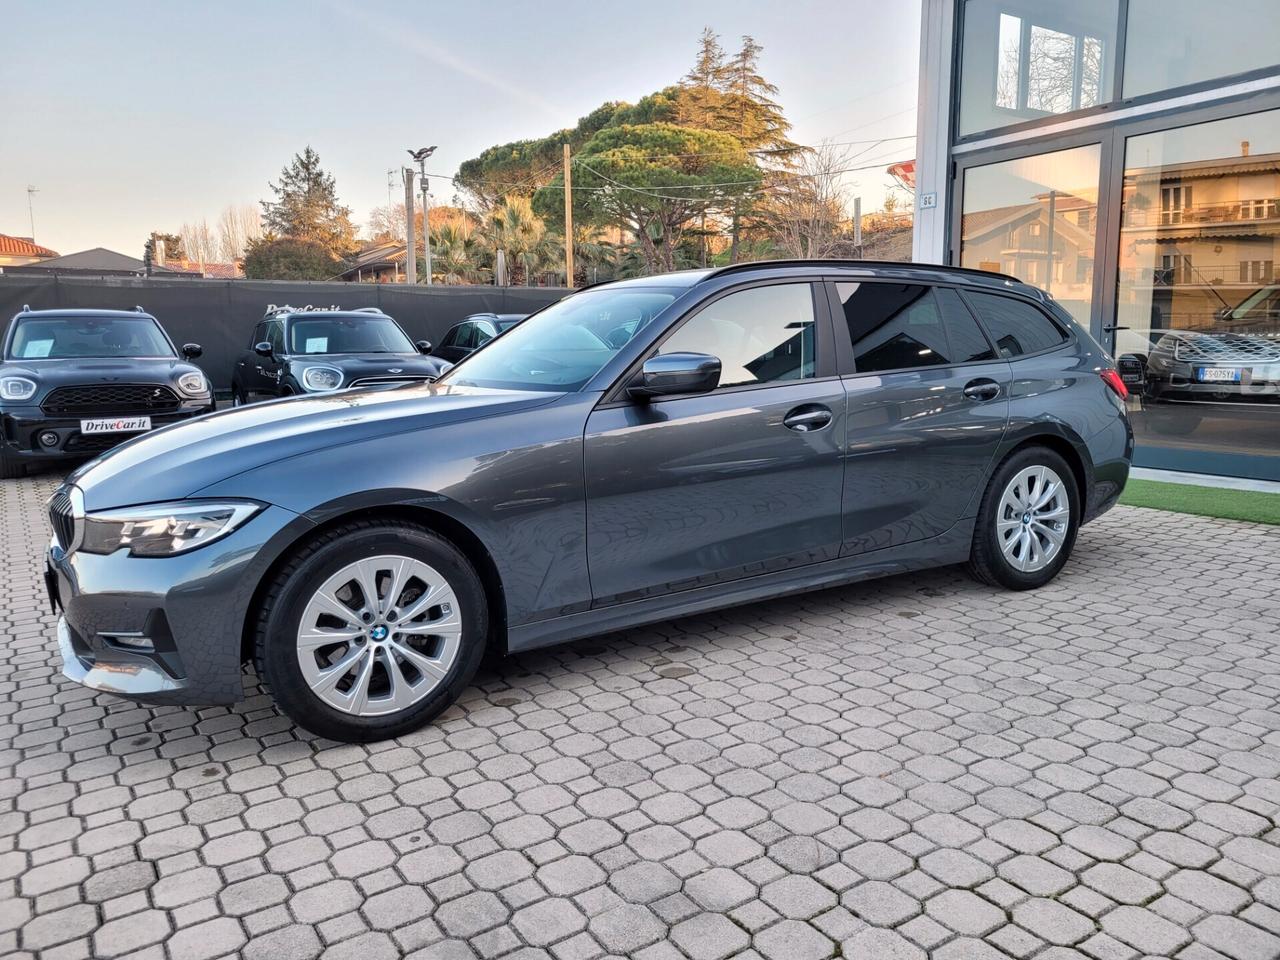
565	345
65	338
347	335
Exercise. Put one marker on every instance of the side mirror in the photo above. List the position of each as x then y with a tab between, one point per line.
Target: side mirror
672	373
192	350
424	346
262	349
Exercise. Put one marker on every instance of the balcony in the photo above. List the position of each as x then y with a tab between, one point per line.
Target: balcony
1255	274
1199	214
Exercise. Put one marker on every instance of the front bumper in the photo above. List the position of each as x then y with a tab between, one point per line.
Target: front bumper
164	629
21	429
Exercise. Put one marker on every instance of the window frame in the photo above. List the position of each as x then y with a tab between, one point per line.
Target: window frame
1068	334
844	343
825	362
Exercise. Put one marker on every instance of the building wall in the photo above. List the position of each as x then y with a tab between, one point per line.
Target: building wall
1123	155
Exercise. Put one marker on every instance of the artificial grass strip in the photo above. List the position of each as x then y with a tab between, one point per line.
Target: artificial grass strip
1203	501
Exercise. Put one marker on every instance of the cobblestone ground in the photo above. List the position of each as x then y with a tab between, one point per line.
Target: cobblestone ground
915	766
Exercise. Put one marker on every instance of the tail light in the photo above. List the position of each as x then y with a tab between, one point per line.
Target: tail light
1111	377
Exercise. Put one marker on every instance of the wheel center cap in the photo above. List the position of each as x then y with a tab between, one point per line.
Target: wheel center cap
1026	518
379	632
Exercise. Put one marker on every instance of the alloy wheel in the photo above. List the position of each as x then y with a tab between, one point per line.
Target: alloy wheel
379	635
1033	519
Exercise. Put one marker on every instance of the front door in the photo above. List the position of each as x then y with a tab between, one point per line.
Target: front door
692	490
928	403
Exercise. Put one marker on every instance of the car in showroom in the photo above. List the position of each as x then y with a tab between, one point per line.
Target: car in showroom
319	351
473	332
636	452
76	382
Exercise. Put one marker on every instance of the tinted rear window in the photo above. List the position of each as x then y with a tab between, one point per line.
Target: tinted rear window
1016	327
898	326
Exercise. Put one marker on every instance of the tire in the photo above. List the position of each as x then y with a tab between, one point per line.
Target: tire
1046	539
11	469
359	705
238	399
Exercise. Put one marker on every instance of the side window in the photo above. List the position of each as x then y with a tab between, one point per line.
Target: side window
451	338
1015	326
259	334
761	335
483	334
898	326
275	334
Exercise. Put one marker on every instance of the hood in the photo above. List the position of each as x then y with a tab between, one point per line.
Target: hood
175	461
49	374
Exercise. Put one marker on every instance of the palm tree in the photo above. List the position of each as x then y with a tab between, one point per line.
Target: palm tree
456	253
514	228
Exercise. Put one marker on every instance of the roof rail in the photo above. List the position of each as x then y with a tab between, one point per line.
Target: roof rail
758	264
367	310
26	308
138	309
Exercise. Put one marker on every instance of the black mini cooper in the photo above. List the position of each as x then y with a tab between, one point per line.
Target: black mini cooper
320	351
74	383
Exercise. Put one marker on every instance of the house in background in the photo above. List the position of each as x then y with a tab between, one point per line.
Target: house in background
98	262
20	251
377	263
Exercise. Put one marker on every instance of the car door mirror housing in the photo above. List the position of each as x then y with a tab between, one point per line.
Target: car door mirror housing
674	373
192	350
262	349
424	346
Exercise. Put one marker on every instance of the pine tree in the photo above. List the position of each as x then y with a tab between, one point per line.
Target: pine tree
701	96
306	207
747	108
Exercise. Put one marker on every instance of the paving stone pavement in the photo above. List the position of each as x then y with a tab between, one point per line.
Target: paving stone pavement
918	766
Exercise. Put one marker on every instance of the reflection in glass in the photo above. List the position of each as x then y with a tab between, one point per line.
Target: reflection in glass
1019	64
1173	43
1036	219
759	335
1199	296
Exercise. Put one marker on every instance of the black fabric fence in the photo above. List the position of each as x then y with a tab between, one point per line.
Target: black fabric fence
220	314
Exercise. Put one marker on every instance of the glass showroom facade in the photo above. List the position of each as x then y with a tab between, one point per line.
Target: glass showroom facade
1124	155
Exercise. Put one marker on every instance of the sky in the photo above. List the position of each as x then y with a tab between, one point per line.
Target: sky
131	117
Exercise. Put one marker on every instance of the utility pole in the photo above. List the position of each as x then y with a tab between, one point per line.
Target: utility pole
568	219
31	191
857	225
426	223
391	183
411	255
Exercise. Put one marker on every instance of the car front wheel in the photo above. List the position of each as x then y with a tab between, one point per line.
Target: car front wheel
1027	522
371	631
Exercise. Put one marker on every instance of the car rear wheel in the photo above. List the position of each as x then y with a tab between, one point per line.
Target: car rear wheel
371	631
1027	523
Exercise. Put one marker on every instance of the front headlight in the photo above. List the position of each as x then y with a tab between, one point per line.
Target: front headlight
322	379
17	388
193	384
164	529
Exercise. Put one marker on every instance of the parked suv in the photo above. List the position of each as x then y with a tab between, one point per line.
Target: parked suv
76	382
638	451
320	351
473	332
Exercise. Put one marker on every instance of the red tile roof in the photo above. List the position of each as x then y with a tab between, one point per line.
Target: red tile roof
22	247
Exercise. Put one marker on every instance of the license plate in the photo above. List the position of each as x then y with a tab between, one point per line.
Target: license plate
115	425
1131	377
1219	374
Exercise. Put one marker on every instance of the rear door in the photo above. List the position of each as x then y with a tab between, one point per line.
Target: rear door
686	491
928	404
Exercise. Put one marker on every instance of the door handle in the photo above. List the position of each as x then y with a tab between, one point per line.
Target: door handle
1113	328
982	390
807	418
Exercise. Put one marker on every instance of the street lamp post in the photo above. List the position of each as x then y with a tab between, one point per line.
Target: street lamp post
421	155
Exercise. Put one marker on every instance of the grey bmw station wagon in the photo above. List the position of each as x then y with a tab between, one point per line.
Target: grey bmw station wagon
638	451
